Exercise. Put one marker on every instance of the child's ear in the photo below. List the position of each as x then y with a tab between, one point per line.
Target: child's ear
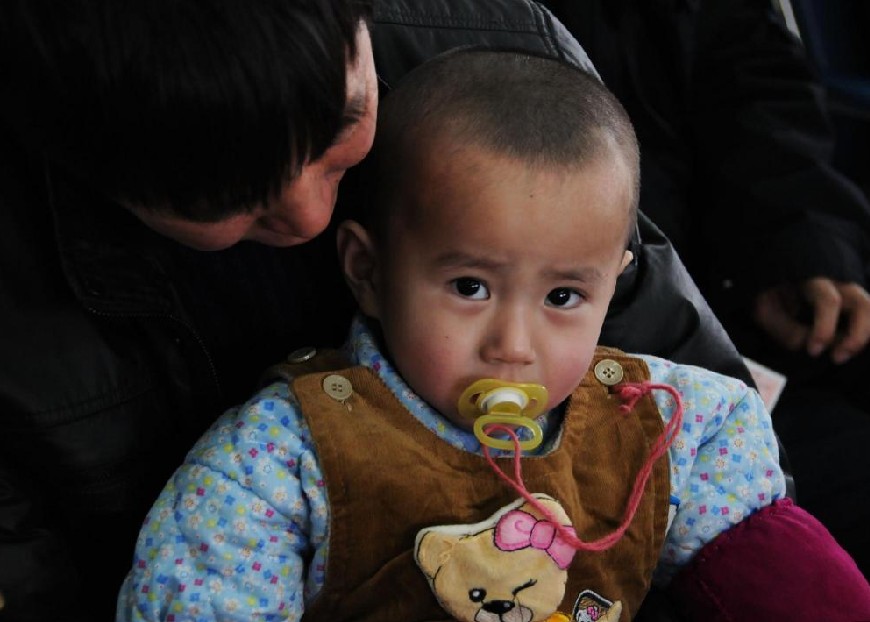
626	259
358	258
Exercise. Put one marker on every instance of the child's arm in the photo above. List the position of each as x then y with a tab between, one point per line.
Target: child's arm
724	460
779	564
227	537
768	559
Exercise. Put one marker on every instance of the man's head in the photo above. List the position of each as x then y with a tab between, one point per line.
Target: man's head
213	121
507	189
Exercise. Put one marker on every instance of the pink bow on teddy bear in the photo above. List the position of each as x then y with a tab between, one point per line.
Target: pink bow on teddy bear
518	530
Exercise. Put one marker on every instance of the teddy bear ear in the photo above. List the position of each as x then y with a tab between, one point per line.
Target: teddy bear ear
433	551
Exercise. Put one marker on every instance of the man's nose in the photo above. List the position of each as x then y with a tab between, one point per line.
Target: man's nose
305	205
509	339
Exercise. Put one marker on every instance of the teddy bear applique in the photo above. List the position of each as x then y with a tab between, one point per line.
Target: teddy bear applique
511	567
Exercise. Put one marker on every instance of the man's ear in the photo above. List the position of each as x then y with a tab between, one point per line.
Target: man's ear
359	262
626	259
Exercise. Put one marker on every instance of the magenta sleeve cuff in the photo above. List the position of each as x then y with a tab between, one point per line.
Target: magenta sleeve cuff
779	564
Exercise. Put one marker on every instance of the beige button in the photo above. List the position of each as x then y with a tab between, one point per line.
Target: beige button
301	355
337	387
608	372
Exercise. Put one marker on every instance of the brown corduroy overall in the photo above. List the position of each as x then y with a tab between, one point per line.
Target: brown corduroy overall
387	476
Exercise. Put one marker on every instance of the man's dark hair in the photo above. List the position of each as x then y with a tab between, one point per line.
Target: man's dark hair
201	108
539	110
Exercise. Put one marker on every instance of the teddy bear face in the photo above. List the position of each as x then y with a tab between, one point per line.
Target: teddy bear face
523	587
477	578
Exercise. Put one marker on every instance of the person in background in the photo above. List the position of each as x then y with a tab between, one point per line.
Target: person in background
490	253
737	150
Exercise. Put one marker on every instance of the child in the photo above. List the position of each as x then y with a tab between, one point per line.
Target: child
356	487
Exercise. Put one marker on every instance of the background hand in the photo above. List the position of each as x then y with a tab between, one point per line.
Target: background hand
839	317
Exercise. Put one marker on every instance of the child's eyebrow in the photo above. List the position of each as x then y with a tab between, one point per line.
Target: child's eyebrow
458	259
585	275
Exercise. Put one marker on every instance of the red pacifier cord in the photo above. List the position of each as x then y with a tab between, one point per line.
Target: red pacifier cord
630	393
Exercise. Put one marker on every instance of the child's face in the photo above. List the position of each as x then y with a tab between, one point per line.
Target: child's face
496	270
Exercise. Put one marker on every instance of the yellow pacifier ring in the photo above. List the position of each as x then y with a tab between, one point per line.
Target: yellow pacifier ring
489	401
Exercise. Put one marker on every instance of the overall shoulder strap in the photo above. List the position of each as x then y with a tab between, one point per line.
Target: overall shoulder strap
305	361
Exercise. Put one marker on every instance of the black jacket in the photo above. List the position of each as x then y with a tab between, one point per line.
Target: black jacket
736	141
119	347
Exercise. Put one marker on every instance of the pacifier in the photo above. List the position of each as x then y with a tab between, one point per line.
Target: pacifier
489	401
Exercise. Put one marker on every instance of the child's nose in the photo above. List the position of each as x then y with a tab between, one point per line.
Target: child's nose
509	341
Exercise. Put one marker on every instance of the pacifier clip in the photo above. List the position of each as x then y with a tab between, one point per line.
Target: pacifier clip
497	406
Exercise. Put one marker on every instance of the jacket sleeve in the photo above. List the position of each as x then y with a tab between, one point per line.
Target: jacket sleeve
723	459
32	588
230	534
773	208
779	564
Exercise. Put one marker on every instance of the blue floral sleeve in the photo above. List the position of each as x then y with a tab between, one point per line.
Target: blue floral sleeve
227	537
724	459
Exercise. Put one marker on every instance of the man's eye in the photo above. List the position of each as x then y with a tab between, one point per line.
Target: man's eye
564	298
470	288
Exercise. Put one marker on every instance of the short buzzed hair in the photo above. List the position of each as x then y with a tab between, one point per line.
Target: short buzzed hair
539	110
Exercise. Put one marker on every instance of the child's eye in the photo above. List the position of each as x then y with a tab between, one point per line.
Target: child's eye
564	298
468	287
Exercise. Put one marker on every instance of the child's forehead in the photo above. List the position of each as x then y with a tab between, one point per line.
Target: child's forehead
469	174
481	198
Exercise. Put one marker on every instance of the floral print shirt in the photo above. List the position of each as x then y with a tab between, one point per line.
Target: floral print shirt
240	532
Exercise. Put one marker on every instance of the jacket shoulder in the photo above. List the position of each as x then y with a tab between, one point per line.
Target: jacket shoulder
406	33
